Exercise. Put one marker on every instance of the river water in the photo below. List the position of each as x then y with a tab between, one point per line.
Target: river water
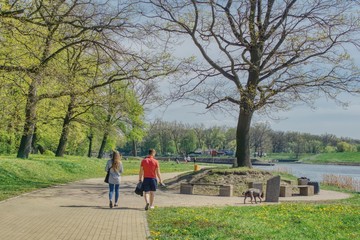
313	171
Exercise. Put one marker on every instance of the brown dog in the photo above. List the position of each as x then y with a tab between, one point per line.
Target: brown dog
253	193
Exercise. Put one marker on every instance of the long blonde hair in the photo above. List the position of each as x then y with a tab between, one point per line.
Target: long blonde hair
116	160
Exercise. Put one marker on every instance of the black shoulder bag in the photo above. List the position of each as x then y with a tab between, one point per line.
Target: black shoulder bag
107	176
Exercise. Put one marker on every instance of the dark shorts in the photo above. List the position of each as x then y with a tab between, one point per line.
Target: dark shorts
149	184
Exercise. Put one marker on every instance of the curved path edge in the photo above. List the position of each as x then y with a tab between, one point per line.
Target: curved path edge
79	210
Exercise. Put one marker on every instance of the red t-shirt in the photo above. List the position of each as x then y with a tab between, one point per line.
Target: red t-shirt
149	164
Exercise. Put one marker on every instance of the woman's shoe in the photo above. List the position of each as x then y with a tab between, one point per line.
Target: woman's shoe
110	204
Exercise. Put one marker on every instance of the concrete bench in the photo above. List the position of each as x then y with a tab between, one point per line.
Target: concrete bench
224	190
305	190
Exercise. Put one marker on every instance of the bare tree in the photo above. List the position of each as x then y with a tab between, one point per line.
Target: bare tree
261	54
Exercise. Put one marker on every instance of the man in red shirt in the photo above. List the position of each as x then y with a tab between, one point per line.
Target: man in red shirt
149	170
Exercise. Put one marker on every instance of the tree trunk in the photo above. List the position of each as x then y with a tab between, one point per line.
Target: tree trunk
66	128
63	138
34	147
90	137
246	111
134	148
106	134
30	117
103	144
243	138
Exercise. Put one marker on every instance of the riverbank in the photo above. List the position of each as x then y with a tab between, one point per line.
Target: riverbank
335	158
327	163
317	172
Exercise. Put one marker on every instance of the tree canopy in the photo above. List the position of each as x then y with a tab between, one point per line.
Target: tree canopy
60	53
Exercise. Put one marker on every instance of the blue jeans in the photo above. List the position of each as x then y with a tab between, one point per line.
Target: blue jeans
113	187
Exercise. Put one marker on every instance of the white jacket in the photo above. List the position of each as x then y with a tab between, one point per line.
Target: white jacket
114	177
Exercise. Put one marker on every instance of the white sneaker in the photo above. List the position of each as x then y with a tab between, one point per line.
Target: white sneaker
152	207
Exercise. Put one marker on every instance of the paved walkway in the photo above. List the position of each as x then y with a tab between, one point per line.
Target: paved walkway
80	211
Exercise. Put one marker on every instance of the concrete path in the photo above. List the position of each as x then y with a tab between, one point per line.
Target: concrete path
80	211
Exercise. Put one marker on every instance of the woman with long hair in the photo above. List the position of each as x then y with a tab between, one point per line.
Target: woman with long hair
116	168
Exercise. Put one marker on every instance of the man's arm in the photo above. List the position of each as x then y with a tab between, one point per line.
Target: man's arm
141	173
158	174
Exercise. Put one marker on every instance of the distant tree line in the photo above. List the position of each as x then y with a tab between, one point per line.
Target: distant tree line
176	138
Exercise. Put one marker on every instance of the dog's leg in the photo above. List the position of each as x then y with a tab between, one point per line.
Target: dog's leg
244	198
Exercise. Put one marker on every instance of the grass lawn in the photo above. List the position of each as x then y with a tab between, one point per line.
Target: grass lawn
340	220
351	158
334	220
337	157
18	176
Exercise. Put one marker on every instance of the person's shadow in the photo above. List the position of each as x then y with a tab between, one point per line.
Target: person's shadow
102	207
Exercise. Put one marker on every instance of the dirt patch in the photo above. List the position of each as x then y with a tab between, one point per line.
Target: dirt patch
239	178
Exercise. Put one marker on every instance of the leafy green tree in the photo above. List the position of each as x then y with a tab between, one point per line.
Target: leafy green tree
315	146
329	149
200	135
177	132
150	141
12	102
34	42
38	39
188	142
116	113
215	137
230	139
278	141
260	138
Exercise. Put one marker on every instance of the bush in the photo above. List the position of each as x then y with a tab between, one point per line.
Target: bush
343	147
7	143
49	153
329	149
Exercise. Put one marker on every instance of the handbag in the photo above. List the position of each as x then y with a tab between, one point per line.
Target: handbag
139	189
107	176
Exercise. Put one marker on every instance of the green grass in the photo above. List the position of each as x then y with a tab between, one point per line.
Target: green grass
334	220
23	175
280	156
18	176
321	158
338	219
301	221
338	157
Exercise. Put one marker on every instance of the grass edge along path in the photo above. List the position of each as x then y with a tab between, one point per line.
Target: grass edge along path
282	221
18	176
24	175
